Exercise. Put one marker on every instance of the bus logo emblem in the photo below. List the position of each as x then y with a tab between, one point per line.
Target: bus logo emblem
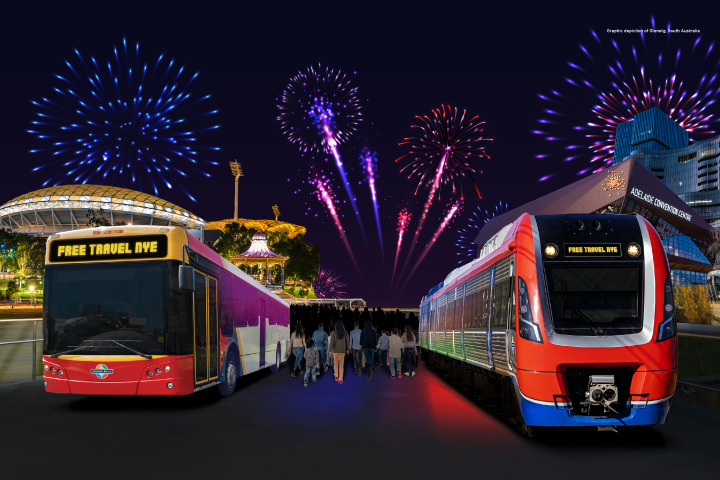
101	371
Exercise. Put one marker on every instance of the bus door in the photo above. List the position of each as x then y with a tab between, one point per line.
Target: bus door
262	312
205	326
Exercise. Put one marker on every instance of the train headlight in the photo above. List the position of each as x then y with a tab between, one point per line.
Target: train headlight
551	250
633	249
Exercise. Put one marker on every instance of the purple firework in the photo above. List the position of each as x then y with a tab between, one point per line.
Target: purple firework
618	76
327	284
468	249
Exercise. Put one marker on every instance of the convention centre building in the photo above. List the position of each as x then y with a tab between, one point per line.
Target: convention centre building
625	188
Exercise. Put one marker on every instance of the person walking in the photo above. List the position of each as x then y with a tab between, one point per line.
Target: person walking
297	343
383	345
320	339
416	357
339	347
368	342
330	362
312	357
408	341
395	352
355	347
376	356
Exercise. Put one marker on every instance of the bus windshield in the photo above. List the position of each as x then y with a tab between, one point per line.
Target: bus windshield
104	308
595	300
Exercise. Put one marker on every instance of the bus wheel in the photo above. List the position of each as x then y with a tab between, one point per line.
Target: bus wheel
228	386
276	367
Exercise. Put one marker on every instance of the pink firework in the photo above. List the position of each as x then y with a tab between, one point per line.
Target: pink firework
403	222
325	195
452	210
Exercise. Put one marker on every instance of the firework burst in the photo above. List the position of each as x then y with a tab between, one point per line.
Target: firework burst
123	121
451	210
318	111
614	79
325	195
442	154
327	284
475	222
403	223
368	160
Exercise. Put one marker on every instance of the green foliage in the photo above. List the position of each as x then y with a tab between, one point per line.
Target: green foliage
303	258
29	254
234	240
12	289
96	218
693	304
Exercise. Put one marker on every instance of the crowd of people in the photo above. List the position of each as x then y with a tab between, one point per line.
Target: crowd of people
369	347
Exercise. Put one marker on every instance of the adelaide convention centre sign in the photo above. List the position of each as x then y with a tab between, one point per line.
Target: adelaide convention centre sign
646	197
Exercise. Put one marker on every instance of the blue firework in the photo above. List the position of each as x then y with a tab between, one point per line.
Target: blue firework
468	249
123	122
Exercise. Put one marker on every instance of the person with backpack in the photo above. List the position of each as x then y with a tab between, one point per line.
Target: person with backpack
320	339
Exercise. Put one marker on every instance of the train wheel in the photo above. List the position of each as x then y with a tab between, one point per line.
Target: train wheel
276	367
228	386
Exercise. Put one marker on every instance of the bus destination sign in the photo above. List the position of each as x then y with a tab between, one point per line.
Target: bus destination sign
592	250
118	248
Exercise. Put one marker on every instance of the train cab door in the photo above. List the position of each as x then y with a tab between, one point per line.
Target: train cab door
490	314
510	334
205	327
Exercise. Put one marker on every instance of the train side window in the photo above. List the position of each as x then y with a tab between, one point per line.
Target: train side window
226	306
511	305
450	315
499	308
484	322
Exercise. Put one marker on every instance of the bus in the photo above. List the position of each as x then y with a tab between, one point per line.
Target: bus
151	310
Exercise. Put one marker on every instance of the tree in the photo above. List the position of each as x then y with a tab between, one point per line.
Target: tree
22	254
303	258
693	304
96	218
11	290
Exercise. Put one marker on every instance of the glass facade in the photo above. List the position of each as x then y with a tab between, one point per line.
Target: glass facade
690	171
684	277
682	246
648	130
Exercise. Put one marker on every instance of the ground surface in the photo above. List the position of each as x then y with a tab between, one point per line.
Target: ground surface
272	427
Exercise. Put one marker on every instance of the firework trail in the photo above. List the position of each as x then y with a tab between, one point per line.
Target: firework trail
466	236
442	154
327	284
611	81
325	195
403	222
122	121
319	110
368	160
452	209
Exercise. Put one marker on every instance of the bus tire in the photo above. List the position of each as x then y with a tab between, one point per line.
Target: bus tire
276	366
228	386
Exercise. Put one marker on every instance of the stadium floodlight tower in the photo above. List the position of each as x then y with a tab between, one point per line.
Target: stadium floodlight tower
237	171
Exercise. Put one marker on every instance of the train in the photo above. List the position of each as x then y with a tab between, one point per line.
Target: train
563	321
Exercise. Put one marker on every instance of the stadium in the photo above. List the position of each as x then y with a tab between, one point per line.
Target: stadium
58	209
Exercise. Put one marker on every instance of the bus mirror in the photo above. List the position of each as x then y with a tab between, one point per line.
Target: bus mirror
187	278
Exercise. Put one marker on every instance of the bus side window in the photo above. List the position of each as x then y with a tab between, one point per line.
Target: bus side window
252	307
226	305
238	302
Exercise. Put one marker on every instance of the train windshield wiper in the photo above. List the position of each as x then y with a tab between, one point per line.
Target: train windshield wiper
595	329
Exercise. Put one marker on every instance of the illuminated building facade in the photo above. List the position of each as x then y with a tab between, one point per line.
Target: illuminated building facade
59	209
627	188
689	170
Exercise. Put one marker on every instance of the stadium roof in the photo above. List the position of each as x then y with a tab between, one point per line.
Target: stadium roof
62	208
263	225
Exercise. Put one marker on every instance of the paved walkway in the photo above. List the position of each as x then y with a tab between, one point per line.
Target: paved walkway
274	428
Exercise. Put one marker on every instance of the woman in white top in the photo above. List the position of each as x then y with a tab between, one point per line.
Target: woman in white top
408	341
297	343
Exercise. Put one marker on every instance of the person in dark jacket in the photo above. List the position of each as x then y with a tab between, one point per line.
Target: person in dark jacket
312	361
368	344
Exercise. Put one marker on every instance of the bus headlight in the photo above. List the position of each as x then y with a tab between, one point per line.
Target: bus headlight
551	250
633	249
46	368
167	368
170	385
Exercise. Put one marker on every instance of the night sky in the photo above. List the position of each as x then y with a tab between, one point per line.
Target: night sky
409	60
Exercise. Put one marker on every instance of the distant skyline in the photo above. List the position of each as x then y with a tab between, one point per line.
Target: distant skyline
406	60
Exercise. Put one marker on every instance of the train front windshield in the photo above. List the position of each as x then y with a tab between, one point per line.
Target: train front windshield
595	300
110	308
